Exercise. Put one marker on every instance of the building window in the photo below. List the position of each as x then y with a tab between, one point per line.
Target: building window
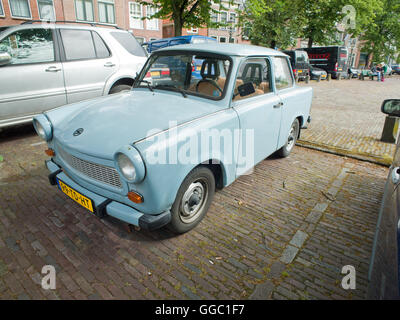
20	9
84	10
135	15
223	19
152	24
46	10
232	20
214	17
1	9
222	39
106	11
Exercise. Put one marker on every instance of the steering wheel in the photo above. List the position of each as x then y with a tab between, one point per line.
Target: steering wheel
209	81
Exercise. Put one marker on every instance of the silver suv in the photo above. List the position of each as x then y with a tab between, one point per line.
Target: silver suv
43	66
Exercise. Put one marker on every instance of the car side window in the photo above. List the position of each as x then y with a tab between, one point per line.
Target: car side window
257	72
29	46
101	48
83	45
282	71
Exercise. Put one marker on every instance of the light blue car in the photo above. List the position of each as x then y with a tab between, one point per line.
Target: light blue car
155	155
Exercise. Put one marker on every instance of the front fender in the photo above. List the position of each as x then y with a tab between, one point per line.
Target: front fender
170	156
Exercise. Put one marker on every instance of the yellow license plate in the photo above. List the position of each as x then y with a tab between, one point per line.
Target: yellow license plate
76	196
155	73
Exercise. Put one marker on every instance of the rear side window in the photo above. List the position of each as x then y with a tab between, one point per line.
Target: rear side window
83	45
282	71
129	42
101	48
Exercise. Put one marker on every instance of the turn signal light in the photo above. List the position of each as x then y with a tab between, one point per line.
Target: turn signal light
50	152
134	197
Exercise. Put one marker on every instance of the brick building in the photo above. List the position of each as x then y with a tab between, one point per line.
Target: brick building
127	14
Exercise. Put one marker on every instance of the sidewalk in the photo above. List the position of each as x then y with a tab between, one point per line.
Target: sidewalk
347	119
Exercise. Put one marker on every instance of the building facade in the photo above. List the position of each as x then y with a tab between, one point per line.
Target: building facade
131	15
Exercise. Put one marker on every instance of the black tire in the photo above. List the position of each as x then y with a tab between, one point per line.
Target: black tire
181	219
120	88
291	140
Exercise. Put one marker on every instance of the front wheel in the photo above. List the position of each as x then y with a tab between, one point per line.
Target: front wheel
291	140
193	200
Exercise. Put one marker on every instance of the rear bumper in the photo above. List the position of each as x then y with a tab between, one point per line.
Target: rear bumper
104	206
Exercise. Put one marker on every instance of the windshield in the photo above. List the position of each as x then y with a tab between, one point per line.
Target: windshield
196	74
301	57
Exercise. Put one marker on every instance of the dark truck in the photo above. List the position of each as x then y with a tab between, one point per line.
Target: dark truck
300	64
332	59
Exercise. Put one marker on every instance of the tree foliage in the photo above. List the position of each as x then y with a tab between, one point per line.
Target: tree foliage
382	37
272	23
185	13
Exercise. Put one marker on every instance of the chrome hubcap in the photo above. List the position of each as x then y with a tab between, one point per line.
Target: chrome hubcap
292	138
193	201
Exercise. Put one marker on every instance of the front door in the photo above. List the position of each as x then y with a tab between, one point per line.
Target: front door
259	114
33	81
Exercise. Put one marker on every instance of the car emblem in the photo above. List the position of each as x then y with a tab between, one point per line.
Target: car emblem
77	132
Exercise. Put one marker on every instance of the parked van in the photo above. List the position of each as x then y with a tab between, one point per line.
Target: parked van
300	64
332	59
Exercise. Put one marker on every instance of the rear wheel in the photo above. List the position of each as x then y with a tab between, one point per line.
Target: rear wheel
120	88
291	140
193	200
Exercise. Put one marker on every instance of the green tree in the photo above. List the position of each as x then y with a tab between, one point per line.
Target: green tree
322	17
272	23
382	37
186	13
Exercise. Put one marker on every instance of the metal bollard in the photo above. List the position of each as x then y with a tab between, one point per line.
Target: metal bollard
390	129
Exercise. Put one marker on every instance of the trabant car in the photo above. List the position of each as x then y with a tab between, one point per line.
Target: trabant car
155	156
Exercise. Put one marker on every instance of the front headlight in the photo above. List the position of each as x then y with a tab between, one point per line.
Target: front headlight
130	164
43	127
126	167
40	131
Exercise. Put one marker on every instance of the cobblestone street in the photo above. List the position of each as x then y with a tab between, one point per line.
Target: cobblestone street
347	117
283	232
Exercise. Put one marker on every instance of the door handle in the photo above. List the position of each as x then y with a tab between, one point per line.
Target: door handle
53	69
280	104
109	64
396	175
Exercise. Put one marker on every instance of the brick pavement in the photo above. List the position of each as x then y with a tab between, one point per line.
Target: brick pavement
347	118
283	232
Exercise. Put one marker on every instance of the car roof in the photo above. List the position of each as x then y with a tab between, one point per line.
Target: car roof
228	49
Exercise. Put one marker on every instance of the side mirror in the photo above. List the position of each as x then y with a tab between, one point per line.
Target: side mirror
391	107
5	58
246	89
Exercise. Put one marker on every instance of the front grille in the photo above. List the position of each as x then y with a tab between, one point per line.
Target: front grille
92	170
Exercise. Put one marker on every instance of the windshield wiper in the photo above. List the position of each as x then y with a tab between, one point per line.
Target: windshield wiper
170	86
148	84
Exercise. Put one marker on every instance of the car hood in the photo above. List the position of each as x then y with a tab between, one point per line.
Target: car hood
111	122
